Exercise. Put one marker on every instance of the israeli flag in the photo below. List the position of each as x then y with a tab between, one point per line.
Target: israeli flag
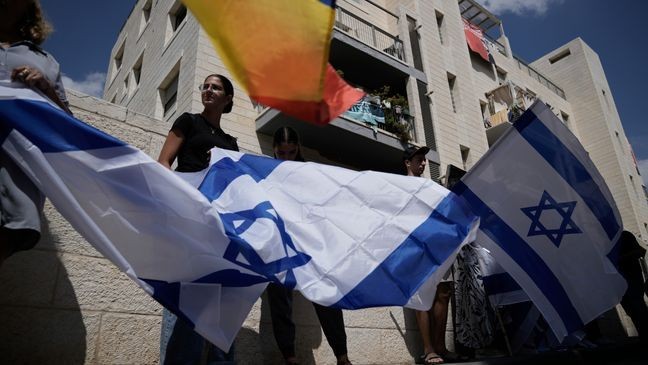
548	219
343	238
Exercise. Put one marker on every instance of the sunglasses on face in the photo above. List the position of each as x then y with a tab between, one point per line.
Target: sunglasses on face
207	87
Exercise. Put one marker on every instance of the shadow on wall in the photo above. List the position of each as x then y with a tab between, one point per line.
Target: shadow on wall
38	325
411	335
261	347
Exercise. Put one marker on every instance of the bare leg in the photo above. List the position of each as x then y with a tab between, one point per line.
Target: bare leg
440	317
423	321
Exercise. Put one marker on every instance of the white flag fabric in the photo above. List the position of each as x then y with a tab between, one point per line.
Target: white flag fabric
343	238
501	289
549	219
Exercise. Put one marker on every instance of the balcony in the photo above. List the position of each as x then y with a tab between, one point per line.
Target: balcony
496	44
539	77
382	115
505	104
345	141
369	34
371	135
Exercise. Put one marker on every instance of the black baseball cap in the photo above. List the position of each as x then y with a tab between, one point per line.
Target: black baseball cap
411	151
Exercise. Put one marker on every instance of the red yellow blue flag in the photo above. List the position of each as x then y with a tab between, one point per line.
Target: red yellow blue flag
278	51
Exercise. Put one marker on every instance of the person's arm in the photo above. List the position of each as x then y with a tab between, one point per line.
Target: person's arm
170	149
33	78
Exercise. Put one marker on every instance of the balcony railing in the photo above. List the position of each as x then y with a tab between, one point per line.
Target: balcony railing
538	76
500	47
372	112
369	34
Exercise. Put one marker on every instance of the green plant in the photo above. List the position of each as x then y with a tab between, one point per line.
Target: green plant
396	110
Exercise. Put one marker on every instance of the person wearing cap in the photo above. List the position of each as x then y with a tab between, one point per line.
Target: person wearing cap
432	334
414	159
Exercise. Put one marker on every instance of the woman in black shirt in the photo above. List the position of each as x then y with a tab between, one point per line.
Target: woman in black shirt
193	135
189	141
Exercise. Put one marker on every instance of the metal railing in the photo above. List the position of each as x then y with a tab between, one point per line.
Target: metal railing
393	120
538	76
369	34
500	47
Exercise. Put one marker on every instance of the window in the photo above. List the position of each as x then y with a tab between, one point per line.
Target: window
168	92
126	89
605	97
137	71
146	15
435	171
170	96
483	107
118	59
177	15
451	85
633	186
559	56
465	157
440	25
565	118
415	43
618	138
135	76
501	76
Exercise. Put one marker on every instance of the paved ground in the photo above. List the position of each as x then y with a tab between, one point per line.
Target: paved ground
629	352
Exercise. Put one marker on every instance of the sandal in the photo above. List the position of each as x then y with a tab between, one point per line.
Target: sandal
432	358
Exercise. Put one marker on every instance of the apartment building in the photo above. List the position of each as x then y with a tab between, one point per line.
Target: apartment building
409	53
426	87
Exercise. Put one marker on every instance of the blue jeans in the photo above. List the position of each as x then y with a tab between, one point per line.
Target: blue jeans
181	345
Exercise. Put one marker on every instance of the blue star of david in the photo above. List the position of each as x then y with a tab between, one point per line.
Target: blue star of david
239	246
168	293
565	210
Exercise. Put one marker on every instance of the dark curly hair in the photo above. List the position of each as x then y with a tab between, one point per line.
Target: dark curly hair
33	26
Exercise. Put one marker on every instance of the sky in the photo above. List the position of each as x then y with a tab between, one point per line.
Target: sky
85	31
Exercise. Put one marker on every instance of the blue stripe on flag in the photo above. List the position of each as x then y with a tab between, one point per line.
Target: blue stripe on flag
401	274
549	146
50	129
224	171
528	260
500	283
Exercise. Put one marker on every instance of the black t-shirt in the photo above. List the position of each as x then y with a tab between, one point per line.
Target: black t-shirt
199	138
